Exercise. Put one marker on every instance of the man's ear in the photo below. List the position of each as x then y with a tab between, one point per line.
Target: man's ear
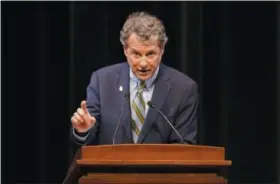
162	51
125	50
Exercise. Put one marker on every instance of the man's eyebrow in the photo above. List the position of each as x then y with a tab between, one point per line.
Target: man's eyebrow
134	50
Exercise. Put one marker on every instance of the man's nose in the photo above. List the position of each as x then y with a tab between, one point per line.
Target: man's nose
143	63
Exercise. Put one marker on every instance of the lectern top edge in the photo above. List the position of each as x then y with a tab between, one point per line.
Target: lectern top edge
153	145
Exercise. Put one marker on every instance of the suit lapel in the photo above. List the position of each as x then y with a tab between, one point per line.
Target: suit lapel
123	81
160	92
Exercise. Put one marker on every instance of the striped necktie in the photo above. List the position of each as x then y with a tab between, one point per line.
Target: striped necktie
138	112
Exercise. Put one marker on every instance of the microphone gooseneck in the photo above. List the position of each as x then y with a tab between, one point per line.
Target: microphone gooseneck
126	96
166	119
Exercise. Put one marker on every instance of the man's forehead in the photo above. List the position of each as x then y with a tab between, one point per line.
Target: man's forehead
143	47
135	40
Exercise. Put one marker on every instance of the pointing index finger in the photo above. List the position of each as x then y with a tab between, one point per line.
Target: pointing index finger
84	106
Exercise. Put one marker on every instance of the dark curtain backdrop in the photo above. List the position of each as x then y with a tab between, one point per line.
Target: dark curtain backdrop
50	49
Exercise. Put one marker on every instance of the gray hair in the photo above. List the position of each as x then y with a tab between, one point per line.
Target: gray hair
145	26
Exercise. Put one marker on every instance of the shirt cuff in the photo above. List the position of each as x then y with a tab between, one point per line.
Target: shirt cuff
80	137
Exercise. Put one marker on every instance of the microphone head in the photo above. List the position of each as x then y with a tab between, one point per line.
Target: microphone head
150	104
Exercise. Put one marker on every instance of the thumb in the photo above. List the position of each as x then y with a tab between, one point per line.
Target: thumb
92	119
84	106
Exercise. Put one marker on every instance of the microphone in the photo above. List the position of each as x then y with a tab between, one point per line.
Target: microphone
126	95
153	106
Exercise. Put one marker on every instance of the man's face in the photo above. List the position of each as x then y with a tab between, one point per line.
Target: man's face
143	56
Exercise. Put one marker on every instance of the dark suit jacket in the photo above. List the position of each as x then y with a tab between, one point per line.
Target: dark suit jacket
174	93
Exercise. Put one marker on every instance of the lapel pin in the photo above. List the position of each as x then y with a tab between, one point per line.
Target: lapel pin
120	88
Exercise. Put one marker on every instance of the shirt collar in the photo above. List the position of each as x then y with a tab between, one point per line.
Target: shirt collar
149	82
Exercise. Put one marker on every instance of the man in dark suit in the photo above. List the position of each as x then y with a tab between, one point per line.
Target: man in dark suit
127	87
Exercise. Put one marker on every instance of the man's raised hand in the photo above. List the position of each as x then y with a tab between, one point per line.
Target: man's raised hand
81	120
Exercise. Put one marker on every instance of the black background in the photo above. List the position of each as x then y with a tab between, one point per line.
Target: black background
50	49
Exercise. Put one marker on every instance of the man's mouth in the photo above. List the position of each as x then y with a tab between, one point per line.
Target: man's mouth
143	71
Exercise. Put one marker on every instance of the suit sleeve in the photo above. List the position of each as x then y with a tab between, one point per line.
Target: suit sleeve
187	117
93	106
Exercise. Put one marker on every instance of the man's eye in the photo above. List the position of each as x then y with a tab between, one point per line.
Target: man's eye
136	53
150	53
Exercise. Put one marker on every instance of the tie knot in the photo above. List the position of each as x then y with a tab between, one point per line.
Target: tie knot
142	85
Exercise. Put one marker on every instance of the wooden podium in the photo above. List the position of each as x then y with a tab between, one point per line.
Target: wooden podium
148	163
